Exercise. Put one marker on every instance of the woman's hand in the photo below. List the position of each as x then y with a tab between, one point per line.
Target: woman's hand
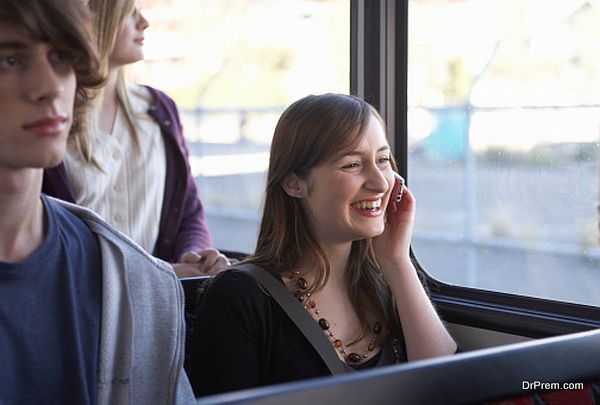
205	262
424	333
392	246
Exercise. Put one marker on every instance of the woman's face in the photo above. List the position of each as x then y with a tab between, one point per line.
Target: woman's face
130	40
345	199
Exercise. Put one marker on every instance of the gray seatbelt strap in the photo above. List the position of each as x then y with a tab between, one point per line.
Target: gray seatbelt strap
298	315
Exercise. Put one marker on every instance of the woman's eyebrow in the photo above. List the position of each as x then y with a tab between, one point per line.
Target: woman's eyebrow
359	153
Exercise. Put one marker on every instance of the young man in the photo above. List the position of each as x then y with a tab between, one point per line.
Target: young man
86	316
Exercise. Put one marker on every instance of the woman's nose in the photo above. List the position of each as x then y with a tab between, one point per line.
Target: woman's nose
141	22
376	180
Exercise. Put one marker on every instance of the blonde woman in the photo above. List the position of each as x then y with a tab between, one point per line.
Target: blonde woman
132	166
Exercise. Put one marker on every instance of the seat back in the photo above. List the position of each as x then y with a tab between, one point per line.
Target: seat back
482	376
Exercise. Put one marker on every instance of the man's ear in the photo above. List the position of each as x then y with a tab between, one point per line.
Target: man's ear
293	185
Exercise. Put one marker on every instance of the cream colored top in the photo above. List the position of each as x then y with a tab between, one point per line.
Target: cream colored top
128	193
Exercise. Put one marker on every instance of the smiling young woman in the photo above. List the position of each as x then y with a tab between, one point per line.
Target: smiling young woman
331	236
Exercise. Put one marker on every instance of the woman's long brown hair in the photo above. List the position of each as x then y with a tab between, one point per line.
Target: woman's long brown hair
311	131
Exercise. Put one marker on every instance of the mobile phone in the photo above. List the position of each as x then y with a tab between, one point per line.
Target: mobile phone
396	194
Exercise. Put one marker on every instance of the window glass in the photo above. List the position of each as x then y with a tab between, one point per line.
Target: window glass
504	130
232	66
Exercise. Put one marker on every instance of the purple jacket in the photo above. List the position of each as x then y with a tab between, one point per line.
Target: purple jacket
182	226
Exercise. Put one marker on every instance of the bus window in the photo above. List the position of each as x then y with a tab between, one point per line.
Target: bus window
232	67
504	131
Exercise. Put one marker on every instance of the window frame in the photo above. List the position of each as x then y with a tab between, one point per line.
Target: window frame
379	73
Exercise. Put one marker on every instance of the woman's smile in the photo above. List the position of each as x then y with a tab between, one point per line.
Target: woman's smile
368	208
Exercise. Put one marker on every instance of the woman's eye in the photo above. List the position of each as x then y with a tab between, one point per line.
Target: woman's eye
350	165
383	160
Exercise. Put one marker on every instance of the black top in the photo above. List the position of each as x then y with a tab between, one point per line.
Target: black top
50	304
243	339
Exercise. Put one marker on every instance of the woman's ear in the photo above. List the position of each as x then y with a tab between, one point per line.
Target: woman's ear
293	185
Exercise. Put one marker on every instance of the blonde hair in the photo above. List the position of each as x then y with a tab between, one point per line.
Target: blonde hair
107	17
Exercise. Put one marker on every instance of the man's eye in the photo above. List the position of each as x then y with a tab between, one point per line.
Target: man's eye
60	57
8	61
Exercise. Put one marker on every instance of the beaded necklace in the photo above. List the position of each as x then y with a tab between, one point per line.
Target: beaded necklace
304	297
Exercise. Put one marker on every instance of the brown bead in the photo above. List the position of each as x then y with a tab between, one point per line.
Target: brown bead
354	357
302	284
299	296
371	346
323	323
311	304
337	343
377	328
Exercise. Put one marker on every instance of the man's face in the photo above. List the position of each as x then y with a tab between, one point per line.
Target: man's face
37	93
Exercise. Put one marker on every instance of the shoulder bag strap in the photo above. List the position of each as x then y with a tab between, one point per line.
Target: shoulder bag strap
298	315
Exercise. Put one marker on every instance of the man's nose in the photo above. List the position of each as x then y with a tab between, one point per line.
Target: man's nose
44	82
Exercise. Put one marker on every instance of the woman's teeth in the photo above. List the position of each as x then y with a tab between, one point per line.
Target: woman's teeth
367	205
